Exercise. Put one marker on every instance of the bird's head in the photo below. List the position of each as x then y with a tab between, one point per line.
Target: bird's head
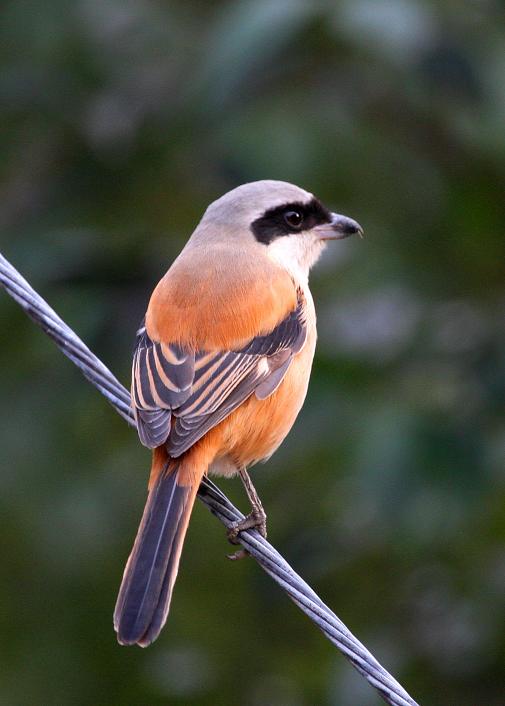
288	224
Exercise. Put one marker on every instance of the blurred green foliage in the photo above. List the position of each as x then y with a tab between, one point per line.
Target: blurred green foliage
121	120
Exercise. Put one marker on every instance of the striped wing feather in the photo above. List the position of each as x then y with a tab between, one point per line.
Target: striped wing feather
178	395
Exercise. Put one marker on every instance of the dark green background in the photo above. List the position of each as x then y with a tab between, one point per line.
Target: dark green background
121	120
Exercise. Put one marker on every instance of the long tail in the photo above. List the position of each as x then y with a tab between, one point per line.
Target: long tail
144	597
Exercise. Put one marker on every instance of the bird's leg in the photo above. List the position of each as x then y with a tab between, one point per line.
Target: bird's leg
256	519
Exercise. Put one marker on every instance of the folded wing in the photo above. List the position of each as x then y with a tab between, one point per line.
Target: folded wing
178	394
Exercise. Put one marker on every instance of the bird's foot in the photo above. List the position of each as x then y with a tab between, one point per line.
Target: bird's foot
256	519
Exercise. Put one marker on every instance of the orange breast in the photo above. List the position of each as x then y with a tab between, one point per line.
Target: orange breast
255	430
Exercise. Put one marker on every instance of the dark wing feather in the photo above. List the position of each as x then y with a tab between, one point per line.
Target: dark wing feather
187	429
161	380
179	395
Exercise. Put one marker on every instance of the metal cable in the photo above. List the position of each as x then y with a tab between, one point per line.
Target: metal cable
268	557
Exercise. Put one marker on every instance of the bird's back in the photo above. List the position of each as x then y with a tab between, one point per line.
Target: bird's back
211	299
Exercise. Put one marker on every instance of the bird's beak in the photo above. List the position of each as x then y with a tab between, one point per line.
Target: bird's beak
338	228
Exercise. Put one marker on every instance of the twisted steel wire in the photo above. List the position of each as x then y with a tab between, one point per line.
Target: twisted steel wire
261	550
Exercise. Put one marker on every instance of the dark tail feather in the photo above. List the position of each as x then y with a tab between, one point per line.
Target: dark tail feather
145	593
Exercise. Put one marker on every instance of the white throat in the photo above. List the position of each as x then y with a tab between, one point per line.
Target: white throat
296	253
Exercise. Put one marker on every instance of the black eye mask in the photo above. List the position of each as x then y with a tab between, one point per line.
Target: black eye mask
280	220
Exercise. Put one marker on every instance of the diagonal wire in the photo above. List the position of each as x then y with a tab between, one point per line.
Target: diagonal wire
268	557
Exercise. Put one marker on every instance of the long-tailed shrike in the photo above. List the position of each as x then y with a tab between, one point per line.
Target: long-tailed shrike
220	371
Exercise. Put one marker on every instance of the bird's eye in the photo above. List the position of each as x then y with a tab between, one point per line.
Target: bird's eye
294	219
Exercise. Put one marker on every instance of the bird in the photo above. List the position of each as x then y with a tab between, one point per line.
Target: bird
220	371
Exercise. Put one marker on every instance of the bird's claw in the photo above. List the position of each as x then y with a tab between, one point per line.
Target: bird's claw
256	519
